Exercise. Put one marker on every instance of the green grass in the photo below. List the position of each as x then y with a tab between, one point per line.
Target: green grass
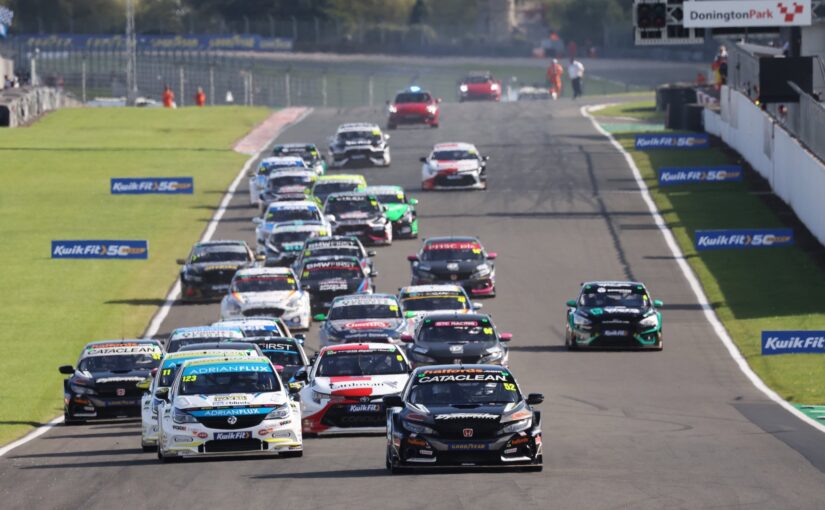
55	181
751	290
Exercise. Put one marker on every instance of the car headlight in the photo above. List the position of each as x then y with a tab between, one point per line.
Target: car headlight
492	356
494	86
82	390
463	88
432	108
482	270
650	321
294	302
517	426
232	305
279	413
581	321
317	396
179	416
417	428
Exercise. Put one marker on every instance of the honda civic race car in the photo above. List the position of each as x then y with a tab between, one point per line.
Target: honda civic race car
457	260
267	292
306	151
454	166
284	212
340	183
162	378
614	315
479	85
413	106
420	300
363	318
399	209
227	406
346	385
104	384
287	185
268	166
335	245
286	241
463	415
359	144
182	337
358	214
257	326
209	269
325	278
443	338
287	356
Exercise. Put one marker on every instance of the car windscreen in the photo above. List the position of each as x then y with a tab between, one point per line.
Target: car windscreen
347	136
285	355
435	302
304	153
477	79
296	214
329	187
263	284
176	344
391	197
361	362
413	97
454	155
118	363
345	270
457	331
452	251
364	311
464	387
339	205
228	378
604	297
276	183
219	254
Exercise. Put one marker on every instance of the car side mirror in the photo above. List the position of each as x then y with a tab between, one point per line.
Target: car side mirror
393	401
422	159
144	384
492	255
162	394
413	201
66	369
372	253
300	337
181	262
301	375
321	317
412	258
477	306
330	218
571	303
257	220
409	315
505	337
373	274
386	136
486	158
534	399
657	303
294	388
407	338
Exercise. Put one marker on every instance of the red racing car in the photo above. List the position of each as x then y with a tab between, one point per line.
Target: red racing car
413	106
479	85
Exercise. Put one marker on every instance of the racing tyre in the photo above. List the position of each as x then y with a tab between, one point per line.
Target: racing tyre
148	447
570	344
393	468
434	126
661	344
292	454
166	459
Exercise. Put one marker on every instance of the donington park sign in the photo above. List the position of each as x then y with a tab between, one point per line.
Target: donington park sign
746	13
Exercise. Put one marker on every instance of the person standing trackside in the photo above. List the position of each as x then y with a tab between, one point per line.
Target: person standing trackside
554	72
576	72
168	97
200	97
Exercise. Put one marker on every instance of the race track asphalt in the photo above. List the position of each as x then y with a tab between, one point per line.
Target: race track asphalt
682	428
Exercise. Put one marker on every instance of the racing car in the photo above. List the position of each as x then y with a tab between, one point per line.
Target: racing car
227	406
163	378
456	260
340	183
327	277
284	212
614	315
399	209
454	337
420	300
286	241
358	214
287	356
306	151
267	292
346	385
268	166
182	337
207	271
363	318
104	383
413	106
454	166
286	185
359	143
479	85
463	416
257	326
335	245
533	93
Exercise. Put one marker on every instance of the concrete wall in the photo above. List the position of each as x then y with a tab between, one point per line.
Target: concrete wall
6	69
794	174
20	106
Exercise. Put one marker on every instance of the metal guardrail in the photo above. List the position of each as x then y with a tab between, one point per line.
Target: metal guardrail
806	121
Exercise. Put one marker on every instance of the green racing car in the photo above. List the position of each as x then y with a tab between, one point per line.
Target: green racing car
400	210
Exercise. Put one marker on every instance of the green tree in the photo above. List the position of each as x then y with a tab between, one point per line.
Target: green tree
580	20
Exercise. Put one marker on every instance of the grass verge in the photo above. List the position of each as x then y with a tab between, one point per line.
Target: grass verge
751	290
55	179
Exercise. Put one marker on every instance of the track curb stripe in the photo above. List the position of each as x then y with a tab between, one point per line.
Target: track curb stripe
693	281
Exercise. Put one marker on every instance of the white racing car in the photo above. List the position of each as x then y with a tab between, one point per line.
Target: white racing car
268	166
284	212
228	406
267	292
454	166
359	143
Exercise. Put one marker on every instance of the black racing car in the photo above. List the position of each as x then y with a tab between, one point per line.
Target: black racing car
363	319
358	214
463	415
614	315
457	260
208	271
286	354
335	245
104	383
443	338
325	278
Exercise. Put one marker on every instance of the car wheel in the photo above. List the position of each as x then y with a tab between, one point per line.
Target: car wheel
570	343
433	126
393	468
292	454
661	344
147	447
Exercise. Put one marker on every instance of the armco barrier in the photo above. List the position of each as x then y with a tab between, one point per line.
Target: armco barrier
794	174
20	106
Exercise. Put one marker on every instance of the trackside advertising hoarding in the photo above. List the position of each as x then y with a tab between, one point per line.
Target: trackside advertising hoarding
90	42
152	185
669	141
751	13
100	249
687	175
743	239
793	342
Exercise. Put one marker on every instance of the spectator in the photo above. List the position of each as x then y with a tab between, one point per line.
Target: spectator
576	72
554	74
200	97
720	68
168	97
7	82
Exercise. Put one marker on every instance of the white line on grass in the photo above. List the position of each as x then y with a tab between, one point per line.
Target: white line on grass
695	286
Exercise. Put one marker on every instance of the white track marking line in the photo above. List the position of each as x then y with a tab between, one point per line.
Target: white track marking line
687	272
174	293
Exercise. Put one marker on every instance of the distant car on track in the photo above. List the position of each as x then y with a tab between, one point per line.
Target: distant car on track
286	354
257	326
359	144
327	277
614	315
209	269
421	300
286	185
399	209
533	94
363	318
454	337
267	291
278	213
455	165
338	183
182	337
359	214
286	241
479	86
349	246
306	151
458	261
267	167
413	106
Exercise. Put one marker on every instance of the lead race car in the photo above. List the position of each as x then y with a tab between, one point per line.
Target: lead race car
614	315
454	166
463	415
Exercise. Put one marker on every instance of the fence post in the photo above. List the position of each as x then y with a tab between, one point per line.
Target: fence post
370	89
286	89
294	29
212	85
317	33
83	78
180	71
251	90
324	89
